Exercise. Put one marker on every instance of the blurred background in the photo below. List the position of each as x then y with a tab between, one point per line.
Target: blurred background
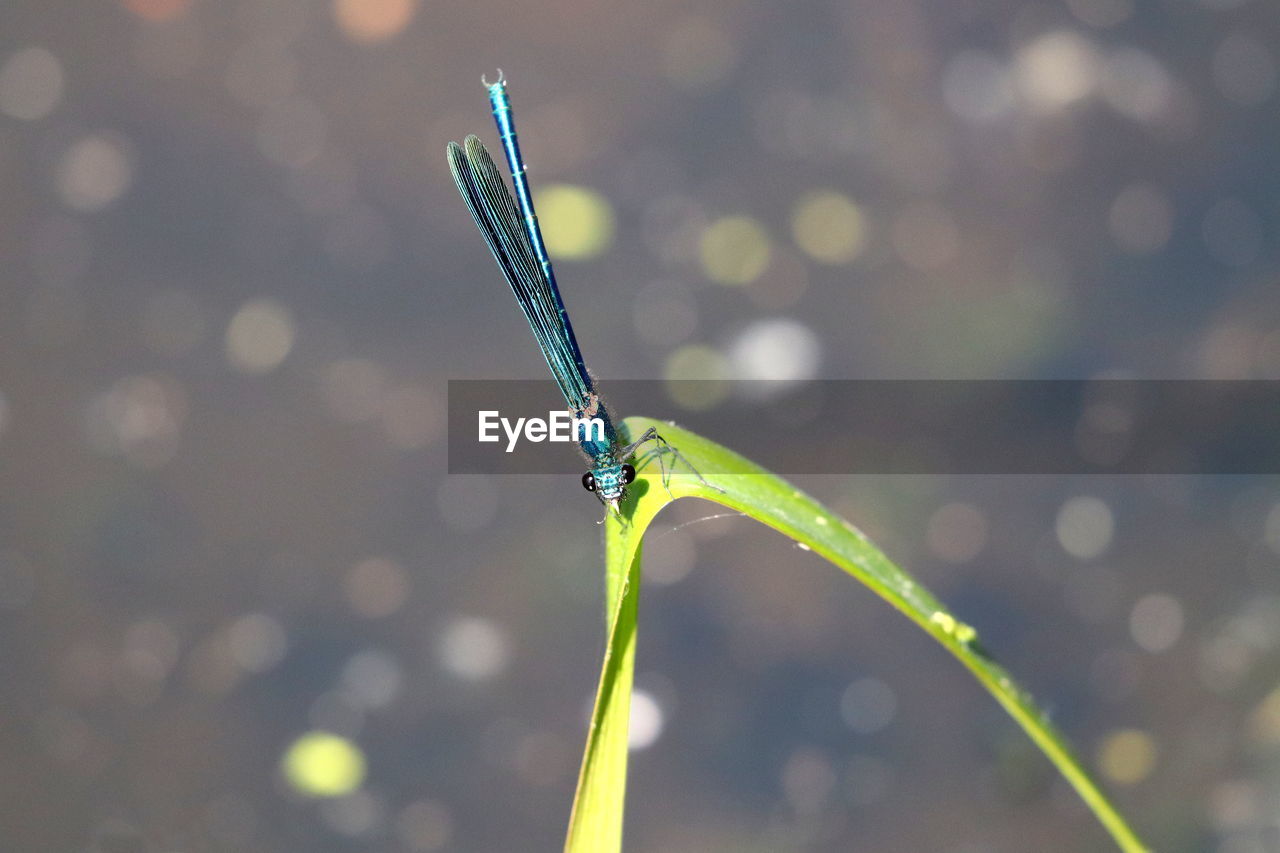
243	606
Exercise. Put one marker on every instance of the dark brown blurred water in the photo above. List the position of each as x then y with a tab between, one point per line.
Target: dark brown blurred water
237	277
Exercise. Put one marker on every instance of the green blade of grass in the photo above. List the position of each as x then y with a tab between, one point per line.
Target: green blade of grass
595	825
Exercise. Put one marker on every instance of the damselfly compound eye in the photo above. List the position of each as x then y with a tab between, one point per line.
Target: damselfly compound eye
628	474
589	481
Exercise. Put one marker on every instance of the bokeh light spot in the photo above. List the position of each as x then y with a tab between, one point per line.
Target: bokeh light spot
1127	756
139	418
647	721
577	223
1056	69
93	173
1156	622
697	55
31	84
734	250
257	642
868	705
778	350
696	377
473	648
377	587
829	227
259	336
322	764
368	21
1085	526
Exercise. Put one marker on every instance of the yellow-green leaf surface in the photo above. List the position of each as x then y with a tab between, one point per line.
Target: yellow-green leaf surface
596	823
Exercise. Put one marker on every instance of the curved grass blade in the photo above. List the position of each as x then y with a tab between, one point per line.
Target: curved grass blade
596	822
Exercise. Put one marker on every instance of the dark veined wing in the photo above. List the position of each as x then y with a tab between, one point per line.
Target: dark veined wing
486	194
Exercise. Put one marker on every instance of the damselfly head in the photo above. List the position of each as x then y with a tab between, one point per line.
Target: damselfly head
609	482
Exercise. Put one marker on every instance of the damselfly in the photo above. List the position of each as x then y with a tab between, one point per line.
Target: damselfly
510	227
